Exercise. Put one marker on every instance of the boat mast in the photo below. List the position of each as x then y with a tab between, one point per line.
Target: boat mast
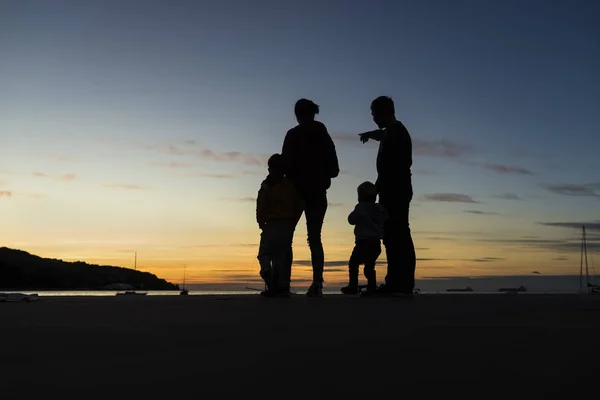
135	261
587	271
184	268
581	260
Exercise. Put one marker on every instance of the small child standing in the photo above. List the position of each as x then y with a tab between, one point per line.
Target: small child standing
368	219
278	209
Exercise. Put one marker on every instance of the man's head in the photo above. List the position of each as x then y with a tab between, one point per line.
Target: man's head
305	110
383	111
275	164
367	192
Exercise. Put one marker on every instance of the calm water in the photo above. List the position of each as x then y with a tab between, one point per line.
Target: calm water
534	284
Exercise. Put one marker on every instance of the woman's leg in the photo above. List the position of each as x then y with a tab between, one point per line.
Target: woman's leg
316	208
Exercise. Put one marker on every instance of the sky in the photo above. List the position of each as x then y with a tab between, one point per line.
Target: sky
144	126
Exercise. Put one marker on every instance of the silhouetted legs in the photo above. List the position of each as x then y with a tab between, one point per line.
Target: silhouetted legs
315	208
274	254
365	252
399	246
314	211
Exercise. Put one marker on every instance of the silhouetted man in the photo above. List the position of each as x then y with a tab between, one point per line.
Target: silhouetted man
311	162
394	186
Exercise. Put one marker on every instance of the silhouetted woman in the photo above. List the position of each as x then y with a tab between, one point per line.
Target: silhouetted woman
311	162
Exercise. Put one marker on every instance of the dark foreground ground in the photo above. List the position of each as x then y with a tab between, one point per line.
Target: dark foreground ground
460	346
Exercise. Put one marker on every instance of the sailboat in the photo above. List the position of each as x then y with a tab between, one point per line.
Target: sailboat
590	287
184	291
133	292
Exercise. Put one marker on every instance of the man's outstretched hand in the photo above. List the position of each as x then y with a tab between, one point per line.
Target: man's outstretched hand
377	135
364	137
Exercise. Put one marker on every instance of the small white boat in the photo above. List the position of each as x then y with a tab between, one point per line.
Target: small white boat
465	289
131	293
521	288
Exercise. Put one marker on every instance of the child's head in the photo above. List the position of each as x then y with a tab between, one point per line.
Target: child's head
367	192
275	164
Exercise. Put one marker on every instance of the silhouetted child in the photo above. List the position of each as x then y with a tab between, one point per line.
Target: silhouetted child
278	209
368	219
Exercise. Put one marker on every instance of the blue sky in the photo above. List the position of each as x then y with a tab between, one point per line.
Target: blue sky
144	124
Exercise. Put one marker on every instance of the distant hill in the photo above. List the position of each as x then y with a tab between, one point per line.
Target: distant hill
20	270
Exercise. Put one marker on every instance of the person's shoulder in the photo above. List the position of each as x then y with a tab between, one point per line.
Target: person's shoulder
320	128
293	132
264	185
319	125
397	132
401	129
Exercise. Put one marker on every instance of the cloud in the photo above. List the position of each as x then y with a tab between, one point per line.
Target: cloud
192	148
587	189
63	159
423	171
558	245
200	246
127	186
589	226
6	194
509	196
480	212
172	164
63	177
524	241
440	148
217	175
34	195
485	259
211	175
449	197
229	156
443	148
308	263
561	258
8	171
507	169
336	204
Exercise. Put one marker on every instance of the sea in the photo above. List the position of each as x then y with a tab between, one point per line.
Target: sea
435	285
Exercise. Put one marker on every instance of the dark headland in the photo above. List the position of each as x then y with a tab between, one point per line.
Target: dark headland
20	270
521	346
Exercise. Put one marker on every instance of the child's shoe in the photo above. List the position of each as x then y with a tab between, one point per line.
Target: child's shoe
370	290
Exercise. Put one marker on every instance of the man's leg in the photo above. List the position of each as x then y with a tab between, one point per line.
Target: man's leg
316	208
399	246
409	255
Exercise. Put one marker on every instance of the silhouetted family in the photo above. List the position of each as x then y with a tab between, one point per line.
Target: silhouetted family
297	182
